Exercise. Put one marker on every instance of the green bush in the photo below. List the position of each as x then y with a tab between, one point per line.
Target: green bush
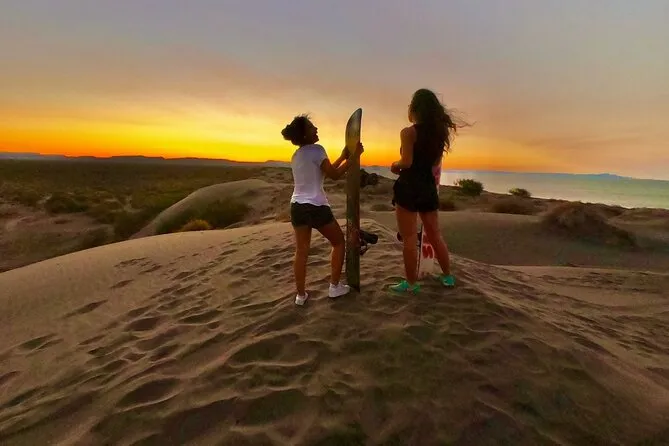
128	223
196	225
586	222
21	195
93	238
64	204
219	214
105	212
519	192
469	187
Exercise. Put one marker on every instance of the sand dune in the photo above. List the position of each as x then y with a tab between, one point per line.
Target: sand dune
253	191
193	338
521	240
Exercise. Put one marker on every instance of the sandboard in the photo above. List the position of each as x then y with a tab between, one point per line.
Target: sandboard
353	202
426	253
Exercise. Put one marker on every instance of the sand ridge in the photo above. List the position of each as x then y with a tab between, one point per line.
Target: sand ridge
193	338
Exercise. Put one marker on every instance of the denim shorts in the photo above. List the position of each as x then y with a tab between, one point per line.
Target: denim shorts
306	214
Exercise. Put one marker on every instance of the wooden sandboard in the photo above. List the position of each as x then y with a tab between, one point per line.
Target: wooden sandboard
353	202
426	254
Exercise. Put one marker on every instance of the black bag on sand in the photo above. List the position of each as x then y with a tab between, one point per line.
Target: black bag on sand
366	239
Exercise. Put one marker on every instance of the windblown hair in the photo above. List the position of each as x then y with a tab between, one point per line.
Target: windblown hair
295	131
429	112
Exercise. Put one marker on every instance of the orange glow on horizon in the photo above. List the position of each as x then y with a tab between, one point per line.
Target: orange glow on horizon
206	134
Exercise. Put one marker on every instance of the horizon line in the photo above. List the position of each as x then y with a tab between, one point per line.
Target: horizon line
8	155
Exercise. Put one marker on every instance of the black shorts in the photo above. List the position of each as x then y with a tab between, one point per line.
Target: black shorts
416	195
305	214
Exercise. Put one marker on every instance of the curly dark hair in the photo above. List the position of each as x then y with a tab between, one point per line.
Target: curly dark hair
428	111
295	132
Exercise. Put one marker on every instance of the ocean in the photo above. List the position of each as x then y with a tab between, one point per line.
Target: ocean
606	189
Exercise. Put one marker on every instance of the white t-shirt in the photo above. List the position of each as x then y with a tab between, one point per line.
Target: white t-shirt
307	175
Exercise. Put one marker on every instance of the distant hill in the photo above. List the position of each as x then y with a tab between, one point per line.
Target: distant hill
134	159
192	161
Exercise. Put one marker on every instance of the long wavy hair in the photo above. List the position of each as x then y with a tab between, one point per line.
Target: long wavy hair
427	110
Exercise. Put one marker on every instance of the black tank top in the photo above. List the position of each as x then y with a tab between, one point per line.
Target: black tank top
423	161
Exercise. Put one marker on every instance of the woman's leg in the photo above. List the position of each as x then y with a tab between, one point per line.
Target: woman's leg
335	236
302	244
433	232
406	224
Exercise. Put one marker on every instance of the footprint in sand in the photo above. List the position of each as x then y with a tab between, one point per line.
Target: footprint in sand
6	377
21	398
167	290
164	352
168	306
238	283
227	252
183	275
201	318
263	350
153	269
39	343
85	309
130	262
206	293
132	314
121	284
114	347
181	291
150	344
144	324
90	341
149	393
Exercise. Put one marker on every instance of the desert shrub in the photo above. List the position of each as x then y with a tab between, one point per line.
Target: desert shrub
105	212
94	237
447	203
196	225
157	201
585	221
610	211
368	179
520	192
59	203
22	195
224	212
128	223
469	187
219	214
513	206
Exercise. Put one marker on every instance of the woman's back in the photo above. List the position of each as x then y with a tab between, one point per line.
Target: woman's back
426	153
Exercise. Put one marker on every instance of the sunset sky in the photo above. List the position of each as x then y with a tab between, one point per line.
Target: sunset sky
550	85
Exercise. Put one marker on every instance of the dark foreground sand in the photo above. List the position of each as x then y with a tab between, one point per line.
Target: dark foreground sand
193	338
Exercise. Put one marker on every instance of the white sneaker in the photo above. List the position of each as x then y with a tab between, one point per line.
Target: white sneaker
338	290
300	300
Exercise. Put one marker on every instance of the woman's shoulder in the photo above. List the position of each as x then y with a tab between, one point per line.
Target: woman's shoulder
312	147
310	151
408	132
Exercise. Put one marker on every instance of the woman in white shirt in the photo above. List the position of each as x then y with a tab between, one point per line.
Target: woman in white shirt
309	206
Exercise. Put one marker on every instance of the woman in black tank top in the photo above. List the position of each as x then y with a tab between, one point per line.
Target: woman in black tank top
415	190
